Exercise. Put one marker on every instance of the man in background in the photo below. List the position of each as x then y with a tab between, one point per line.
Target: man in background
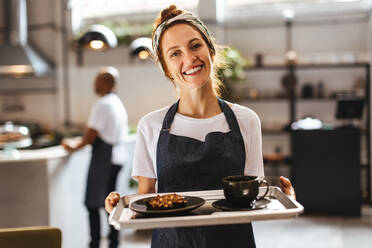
106	130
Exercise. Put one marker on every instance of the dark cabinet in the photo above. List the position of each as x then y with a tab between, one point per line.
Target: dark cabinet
326	170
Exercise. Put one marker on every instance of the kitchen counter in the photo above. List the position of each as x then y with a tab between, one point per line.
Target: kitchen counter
46	187
48	153
36	155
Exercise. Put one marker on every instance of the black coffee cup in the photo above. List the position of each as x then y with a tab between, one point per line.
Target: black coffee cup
243	190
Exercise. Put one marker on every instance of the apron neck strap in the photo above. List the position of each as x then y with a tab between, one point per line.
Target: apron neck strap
170	116
230	116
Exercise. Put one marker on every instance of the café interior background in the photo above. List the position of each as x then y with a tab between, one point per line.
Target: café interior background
321	33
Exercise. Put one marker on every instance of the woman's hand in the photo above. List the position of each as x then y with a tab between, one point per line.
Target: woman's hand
145	185
111	200
286	187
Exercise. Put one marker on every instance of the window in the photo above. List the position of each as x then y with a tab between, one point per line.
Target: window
272	10
99	9
250	3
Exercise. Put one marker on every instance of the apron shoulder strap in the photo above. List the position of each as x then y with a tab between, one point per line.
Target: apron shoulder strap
170	116
230	116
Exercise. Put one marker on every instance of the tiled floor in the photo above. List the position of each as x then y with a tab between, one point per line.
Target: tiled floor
302	232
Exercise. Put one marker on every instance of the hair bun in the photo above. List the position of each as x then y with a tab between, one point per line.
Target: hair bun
170	12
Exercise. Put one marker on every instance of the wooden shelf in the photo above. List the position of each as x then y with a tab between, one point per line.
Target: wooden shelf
262	99
278	99
308	66
364	165
24	91
274	132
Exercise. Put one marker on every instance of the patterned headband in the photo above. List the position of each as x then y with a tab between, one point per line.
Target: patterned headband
186	16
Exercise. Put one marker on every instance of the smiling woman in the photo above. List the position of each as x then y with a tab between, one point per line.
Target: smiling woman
203	56
193	144
188	61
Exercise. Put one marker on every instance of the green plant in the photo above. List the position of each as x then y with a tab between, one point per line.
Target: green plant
232	72
133	183
235	63
132	129
124	31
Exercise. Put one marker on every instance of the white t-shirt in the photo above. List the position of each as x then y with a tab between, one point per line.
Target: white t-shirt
110	119
148	131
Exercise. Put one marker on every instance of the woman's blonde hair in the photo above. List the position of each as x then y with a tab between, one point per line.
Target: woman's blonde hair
214	50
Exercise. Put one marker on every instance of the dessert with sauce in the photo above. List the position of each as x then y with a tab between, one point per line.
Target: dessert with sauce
168	201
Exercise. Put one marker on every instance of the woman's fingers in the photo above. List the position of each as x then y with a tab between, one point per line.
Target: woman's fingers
111	200
285	182
286	186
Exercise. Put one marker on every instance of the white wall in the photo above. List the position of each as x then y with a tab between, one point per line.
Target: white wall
322	41
142	88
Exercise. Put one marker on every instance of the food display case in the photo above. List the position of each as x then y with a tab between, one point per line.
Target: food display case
13	137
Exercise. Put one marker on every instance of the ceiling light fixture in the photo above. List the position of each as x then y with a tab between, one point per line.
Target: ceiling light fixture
97	37
141	48
288	14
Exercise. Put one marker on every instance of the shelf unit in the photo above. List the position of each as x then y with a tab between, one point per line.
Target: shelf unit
28	91
293	100
309	66
278	99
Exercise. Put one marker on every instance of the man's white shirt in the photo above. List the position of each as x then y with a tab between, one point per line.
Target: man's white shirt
110	119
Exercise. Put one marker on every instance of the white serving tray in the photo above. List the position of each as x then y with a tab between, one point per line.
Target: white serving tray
281	206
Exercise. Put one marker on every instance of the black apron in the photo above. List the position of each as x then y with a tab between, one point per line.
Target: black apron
187	164
102	174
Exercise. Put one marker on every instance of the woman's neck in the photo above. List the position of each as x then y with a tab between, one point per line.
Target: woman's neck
199	103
